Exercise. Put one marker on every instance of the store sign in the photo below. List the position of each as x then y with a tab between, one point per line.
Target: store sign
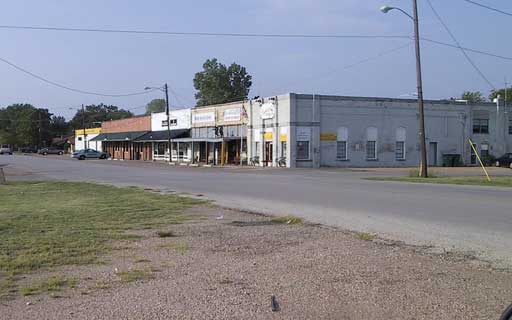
203	117
303	134
328	137
267	111
231	115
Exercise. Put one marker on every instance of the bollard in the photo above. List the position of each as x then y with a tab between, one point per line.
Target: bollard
2	176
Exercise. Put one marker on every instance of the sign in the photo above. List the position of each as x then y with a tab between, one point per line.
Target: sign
328	137
256	135
283	137
267	110
268	136
303	133
232	114
203	117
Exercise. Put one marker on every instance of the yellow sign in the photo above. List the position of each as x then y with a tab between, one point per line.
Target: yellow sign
268	136
283	137
80	132
328	137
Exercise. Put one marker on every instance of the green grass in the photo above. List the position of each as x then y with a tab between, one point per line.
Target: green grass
500	181
135	275
289	219
365	236
51	286
49	224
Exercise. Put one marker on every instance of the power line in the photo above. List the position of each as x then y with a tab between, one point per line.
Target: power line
241	35
69	88
488	7
459	46
348	66
202	34
467	49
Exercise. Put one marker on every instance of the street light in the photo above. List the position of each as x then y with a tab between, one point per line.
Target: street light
421	133
165	90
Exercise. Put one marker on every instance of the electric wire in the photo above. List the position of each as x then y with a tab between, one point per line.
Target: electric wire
488	7
69	88
459	46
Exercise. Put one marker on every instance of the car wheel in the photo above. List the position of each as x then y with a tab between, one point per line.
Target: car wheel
45	153
60	153
81	158
103	156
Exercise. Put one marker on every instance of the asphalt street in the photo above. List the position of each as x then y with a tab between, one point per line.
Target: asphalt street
463	218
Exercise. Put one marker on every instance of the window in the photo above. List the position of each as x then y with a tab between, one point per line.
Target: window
484	150
341	144
341	150
400	150
400	144
302	150
371	152
174	122
283	149
481	126
371	143
473	154
79	138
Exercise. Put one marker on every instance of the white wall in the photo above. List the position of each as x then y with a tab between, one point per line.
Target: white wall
80	144
182	116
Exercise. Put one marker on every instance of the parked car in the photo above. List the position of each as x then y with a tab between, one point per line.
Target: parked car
504	161
5	148
50	150
89	154
28	149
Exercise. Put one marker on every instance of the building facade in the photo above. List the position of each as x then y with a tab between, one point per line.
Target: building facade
299	130
84	139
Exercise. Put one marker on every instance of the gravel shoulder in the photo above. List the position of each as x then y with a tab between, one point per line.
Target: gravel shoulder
220	269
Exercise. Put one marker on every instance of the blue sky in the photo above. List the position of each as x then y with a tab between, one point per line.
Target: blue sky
118	63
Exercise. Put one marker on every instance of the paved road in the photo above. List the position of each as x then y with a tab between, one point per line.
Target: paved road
476	219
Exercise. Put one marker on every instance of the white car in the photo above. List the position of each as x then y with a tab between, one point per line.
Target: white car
5	148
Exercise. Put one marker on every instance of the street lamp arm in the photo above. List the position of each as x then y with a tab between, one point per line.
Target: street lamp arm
386	9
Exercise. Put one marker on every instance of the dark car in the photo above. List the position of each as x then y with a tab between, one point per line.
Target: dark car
50	150
504	161
89	154
28	149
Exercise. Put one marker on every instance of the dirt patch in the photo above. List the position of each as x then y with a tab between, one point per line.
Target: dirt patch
229	265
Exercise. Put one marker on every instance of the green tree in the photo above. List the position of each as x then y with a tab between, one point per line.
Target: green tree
501	92
58	126
156	105
473	97
95	114
220	84
25	125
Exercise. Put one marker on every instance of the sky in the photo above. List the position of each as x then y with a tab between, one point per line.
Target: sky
125	63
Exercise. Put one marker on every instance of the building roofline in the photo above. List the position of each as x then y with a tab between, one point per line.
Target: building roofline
384	99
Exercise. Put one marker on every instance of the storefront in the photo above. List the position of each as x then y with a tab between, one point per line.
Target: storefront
219	134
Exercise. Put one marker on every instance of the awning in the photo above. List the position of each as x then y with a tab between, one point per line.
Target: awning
163	135
119	136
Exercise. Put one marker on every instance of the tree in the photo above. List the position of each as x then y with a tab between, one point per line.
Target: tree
25	125
58	126
501	92
156	105
95	114
220	84
473	97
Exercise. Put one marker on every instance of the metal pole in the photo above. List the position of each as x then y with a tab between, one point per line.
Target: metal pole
168	121
421	133
83	126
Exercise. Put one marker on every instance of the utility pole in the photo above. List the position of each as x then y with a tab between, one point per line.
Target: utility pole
421	133
83	126
39	127
168	122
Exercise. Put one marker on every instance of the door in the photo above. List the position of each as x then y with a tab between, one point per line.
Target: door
268	153
432	154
